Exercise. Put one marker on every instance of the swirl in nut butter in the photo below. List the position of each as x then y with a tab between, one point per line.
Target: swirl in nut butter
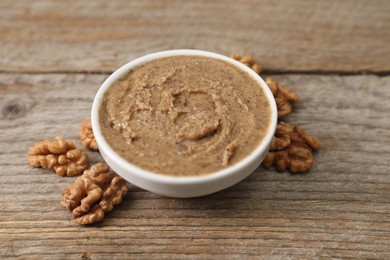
185	115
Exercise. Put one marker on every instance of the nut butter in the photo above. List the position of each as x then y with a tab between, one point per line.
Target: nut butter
185	115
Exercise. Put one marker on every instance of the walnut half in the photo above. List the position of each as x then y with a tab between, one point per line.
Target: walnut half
291	148
60	155
284	97
93	194
86	135
247	60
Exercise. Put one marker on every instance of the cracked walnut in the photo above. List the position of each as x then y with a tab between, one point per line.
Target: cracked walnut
93	194
60	155
291	148
86	135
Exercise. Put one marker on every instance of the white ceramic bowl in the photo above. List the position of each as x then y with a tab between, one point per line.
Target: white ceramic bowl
181	187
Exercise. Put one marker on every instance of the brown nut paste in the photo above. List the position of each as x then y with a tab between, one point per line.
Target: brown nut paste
185	115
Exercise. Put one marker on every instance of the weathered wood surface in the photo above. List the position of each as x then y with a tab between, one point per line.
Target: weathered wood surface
98	36
340	209
55	54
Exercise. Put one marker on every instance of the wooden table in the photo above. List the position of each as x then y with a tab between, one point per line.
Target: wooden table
335	54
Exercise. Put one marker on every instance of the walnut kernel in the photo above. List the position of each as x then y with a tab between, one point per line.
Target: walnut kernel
283	97
284	107
60	155
281	138
86	135
93	194
247	60
291	148
72	163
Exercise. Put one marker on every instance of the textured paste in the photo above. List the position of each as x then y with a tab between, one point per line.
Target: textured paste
185	115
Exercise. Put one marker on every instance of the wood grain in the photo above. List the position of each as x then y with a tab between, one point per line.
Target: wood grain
99	36
55	54
339	210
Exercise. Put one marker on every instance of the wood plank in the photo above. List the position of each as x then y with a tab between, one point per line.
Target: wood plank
99	36
338	210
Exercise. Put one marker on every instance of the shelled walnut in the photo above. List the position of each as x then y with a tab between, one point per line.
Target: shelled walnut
93	194
291	148
284	97
60	155
86	135
247	60
282	137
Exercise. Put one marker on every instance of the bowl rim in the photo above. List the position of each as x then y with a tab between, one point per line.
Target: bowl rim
169	179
